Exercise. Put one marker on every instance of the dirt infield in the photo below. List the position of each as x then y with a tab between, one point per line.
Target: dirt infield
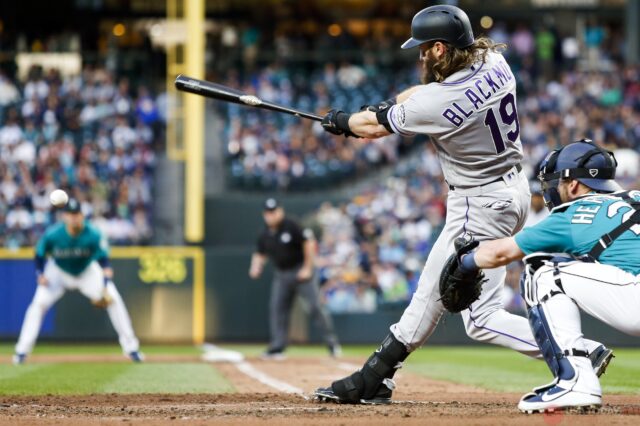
258	402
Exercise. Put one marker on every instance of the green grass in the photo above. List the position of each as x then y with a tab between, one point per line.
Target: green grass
87	378
487	367
99	349
504	370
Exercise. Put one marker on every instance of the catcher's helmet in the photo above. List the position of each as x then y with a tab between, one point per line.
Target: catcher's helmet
584	161
444	23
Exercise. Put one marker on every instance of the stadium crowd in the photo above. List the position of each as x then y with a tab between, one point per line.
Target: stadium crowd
95	135
90	134
562	93
268	151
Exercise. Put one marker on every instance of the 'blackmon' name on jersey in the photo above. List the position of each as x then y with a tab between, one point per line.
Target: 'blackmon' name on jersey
484	88
472	120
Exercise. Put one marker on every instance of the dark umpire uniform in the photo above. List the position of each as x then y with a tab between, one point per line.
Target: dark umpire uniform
292	250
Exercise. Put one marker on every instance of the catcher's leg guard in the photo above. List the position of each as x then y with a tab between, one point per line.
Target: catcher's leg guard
555	358
575	383
372	383
555	323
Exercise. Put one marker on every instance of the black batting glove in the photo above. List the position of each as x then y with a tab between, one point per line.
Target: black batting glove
337	123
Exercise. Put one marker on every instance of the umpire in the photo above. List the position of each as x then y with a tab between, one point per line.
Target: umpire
292	251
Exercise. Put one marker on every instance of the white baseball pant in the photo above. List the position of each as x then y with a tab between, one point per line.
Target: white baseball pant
91	284
603	291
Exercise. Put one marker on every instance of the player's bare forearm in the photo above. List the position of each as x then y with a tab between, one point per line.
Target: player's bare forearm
365	124
492	254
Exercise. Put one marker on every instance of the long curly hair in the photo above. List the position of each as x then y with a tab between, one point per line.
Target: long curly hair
455	59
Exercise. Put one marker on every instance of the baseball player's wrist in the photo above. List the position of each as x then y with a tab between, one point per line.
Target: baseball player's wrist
342	123
39	263
468	263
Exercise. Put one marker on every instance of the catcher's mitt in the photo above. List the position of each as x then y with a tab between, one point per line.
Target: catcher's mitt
458	290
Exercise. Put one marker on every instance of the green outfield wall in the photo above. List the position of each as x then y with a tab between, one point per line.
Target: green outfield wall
186	294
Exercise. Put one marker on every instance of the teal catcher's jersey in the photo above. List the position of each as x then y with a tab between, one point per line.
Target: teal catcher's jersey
72	254
575	227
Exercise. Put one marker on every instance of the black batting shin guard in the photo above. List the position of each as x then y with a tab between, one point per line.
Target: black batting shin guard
382	364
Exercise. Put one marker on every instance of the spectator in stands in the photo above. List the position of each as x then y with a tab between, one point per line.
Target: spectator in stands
76	133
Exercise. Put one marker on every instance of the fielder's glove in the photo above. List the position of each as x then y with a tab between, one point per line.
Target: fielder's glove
458	289
337	123
104	301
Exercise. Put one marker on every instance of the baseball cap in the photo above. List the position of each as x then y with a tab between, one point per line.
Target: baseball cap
271	204
73	206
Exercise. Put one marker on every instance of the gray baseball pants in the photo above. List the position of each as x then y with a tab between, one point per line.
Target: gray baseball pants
284	288
489	212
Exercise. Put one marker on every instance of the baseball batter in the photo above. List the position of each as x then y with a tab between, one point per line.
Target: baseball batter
78	260
591	216
467	105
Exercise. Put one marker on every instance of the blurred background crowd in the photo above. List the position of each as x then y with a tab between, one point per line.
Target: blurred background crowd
92	135
99	134
284	152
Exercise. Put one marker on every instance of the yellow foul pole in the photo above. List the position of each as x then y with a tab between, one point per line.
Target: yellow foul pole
194	124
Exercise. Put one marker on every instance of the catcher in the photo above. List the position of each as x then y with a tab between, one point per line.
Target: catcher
467	105
595	223
78	261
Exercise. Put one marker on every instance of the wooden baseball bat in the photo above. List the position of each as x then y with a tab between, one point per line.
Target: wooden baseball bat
228	94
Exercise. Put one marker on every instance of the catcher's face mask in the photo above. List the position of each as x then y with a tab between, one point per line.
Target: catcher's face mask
582	160
548	181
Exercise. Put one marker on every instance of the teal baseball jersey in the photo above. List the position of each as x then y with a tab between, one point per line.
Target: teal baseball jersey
72	254
574	228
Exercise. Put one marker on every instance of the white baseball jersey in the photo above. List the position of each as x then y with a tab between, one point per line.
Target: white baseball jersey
476	108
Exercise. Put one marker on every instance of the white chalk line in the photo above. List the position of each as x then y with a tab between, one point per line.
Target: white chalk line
265	379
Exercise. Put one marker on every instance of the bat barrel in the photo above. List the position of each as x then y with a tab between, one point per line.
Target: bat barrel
207	89
228	94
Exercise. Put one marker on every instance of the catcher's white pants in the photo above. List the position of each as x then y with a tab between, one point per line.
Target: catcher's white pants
91	284
489	212
603	291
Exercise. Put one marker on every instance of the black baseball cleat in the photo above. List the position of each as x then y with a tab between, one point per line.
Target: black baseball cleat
382	396
273	354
